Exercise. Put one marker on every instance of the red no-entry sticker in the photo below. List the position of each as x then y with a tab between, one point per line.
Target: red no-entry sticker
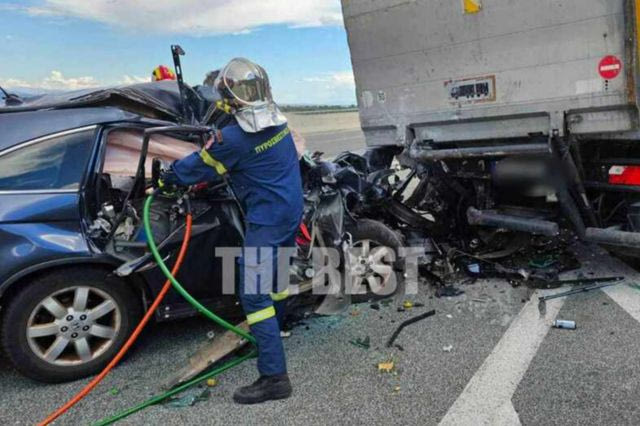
609	67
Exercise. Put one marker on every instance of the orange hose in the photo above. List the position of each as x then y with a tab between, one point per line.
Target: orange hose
134	336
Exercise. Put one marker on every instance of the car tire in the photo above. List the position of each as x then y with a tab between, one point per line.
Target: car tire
68	344
378	235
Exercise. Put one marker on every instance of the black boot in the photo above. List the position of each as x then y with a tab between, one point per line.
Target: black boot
264	389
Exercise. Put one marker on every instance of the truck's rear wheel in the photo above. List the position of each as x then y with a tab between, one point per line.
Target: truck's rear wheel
69	324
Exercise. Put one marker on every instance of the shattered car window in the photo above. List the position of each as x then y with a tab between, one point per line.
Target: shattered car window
56	163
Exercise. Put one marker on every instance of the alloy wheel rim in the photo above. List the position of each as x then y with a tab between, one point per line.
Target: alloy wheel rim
371	265
73	326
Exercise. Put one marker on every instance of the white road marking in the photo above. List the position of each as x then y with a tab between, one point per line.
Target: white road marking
628	298
486	400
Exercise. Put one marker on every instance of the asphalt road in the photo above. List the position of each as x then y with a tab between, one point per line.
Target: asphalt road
506	366
334	142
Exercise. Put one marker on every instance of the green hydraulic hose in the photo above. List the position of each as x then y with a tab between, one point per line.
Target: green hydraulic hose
203	310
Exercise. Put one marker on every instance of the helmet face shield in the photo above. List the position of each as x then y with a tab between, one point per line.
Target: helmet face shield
245	82
247	86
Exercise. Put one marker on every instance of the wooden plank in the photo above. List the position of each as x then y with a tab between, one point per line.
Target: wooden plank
217	349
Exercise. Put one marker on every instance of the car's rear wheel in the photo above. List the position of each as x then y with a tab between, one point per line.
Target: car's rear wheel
69	324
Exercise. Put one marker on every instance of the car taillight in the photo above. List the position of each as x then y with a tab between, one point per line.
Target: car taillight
624	175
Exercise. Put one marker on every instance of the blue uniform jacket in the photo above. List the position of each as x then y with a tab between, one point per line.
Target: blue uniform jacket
263	167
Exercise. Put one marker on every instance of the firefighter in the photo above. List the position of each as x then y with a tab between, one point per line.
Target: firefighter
257	152
162	72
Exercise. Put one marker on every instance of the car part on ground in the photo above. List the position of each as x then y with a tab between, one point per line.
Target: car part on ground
410	321
597	284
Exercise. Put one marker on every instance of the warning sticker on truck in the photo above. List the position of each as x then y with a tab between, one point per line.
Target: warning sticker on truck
471	6
472	90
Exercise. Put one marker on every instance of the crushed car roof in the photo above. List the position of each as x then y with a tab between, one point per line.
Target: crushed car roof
155	100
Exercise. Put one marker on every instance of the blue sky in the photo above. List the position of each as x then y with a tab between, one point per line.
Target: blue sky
69	44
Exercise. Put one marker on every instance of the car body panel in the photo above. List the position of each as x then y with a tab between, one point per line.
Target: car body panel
18	127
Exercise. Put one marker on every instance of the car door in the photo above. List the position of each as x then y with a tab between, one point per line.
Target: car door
40	191
216	220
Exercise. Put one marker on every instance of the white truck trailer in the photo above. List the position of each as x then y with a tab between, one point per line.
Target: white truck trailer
528	107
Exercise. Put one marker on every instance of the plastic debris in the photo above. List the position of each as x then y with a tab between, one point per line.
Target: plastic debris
284	334
407	304
189	400
375	306
396	389
406	323
386	366
362	343
449	316
114	391
212	382
447	348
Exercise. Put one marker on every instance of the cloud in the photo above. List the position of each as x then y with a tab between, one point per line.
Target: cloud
13	82
194	17
324	88
134	79
338	79
58	81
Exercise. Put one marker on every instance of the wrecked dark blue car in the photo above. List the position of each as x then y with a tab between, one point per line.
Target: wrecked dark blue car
70	216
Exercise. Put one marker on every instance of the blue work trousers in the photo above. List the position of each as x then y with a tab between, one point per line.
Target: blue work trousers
263	302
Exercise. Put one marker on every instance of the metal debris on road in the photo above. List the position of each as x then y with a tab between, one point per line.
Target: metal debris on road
566	324
406	323
600	283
